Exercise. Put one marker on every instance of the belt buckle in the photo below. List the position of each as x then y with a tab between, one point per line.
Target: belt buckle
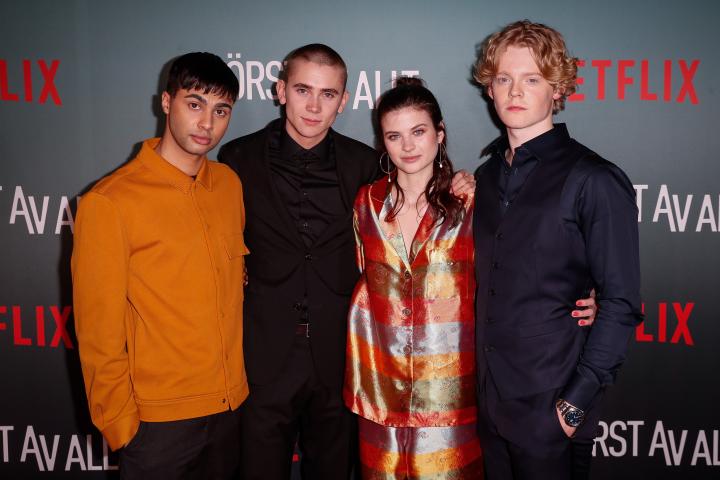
303	329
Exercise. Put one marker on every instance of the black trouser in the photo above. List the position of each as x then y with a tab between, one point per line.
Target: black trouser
296	403
522	439
196	448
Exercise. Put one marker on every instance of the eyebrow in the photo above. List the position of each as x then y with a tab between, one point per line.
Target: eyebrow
308	87
205	102
413	128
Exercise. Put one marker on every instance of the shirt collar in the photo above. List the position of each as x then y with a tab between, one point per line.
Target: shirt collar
546	146
289	148
176	177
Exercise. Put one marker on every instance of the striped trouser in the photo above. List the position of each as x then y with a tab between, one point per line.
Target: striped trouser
419	453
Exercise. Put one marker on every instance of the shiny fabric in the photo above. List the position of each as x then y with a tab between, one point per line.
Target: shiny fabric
410	348
423	453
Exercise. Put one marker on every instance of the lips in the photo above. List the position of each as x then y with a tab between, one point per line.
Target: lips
200	140
310	121
515	108
412	159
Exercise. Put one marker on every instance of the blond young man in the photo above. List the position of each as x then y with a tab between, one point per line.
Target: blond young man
553	220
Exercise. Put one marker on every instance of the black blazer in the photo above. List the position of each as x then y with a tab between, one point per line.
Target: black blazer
280	267
572	226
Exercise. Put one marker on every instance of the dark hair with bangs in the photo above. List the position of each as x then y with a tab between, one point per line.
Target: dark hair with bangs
411	93
202	71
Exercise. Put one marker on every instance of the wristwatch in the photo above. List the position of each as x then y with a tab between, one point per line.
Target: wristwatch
572	415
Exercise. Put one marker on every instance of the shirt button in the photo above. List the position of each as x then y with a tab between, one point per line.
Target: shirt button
305	225
406	311
224	400
308	256
407	274
407	349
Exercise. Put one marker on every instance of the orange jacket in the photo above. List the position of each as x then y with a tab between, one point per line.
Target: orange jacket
157	284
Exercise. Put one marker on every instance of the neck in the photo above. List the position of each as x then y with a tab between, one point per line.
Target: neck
187	163
304	142
414	184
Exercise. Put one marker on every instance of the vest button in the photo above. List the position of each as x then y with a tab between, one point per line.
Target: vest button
308	256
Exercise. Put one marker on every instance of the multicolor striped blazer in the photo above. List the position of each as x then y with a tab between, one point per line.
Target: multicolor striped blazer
411	345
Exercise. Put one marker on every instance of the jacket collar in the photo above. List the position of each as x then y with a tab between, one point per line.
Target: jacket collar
173	175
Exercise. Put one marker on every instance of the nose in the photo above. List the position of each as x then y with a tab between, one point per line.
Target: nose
515	89
313	104
206	120
408	144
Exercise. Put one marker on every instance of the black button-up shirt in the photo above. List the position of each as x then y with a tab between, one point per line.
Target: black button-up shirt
611	244
307	182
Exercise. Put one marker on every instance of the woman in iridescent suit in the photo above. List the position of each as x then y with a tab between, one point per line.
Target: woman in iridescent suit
410	355
410	352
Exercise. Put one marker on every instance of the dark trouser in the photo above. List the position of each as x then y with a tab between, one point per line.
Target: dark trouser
297	403
196	448
522	438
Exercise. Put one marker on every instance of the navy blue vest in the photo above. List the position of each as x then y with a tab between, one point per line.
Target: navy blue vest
531	266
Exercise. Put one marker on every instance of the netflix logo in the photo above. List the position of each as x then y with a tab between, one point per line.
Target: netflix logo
38	81
669	81
666	322
44	326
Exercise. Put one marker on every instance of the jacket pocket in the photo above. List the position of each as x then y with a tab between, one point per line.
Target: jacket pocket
235	245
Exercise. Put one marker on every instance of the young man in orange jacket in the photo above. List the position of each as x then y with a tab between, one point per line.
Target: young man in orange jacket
157	283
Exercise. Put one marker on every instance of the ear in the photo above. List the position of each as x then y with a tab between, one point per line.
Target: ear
281	91
490	92
344	100
165	102
557	93
441	133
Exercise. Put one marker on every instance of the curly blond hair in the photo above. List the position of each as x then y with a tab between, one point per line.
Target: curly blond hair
548	49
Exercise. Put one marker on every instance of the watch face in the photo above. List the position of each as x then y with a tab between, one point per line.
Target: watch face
574	417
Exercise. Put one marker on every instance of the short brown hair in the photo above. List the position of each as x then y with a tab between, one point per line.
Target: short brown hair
548	49
317	53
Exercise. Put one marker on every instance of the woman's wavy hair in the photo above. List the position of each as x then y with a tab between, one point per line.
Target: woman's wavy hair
548	49
411	93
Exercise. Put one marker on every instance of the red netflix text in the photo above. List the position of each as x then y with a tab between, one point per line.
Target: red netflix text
667	324
636	79
28	90
50	325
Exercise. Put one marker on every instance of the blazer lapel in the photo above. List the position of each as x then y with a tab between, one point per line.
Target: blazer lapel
270	187
381	204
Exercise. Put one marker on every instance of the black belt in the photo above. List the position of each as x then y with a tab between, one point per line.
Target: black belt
302	329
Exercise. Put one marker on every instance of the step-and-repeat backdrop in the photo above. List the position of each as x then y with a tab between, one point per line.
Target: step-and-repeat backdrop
79	89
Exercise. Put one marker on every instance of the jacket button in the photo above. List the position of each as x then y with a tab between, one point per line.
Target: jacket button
499	236
489	348
297	306
492	292
407	349
489	320
407	274
406	311
308	256
495	265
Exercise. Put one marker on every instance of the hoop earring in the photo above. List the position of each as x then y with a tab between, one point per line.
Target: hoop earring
442	153
387	172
